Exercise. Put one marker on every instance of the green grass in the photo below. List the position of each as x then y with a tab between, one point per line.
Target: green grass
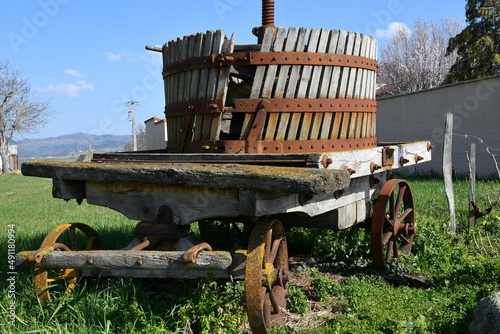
343	293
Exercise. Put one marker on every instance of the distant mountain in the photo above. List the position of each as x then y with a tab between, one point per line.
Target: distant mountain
70	145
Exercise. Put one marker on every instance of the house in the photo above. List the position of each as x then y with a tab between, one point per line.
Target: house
156	133
14	160
416	116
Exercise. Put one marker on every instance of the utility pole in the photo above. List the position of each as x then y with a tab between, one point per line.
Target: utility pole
131	115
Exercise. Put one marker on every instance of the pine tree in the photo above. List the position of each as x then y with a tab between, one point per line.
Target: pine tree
478	45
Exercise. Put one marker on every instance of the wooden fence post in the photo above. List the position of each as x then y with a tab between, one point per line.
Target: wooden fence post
447	170
472	186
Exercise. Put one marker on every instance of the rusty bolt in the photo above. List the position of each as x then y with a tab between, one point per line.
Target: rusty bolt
90	261
429	146
418	158
350	170
327	161
374	167
139	262
403	161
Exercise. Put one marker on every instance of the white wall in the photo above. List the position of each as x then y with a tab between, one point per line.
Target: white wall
421	116
156	133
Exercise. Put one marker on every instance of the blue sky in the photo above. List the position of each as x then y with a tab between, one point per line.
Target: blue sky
89	57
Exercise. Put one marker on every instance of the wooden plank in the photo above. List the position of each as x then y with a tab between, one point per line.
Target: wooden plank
305	83
317	71
353	121
204	86
265	178
270	77
352	78
269	81
257	82
189	74
293	81
260	71
344	127
448	170
316	125
326	126
195	86
316	80
362	73
219	79
336	126
284	70
327	74
344	84
333	91
125	259
327	122
359	125
345	72
372	74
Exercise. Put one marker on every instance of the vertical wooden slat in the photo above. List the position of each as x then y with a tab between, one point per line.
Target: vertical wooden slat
328	118
204	86
316	81
291	41
293	81
305	82
218	85
326	125
281	82
344	73
269	81
336	72
353	81
337	122
194	91
260	72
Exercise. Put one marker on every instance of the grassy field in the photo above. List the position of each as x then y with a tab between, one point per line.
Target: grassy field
333	287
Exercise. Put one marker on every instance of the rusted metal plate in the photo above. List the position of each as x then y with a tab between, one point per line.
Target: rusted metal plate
307	105
281	146
270	58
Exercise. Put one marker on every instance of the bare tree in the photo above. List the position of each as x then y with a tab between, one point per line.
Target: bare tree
141	140
21	112
416	59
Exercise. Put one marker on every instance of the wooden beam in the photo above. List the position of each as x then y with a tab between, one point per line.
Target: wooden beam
263	178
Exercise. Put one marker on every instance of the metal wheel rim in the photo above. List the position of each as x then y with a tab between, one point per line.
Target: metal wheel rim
266	276
42	280
393	222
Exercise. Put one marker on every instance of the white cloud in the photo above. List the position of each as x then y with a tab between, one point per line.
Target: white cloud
113	57
68	89
391	29
146	57
117	56
74	73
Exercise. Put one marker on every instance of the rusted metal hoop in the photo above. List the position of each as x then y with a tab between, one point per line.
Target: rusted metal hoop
41	276
266	275
393	222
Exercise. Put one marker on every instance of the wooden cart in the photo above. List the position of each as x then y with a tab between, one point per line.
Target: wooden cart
272	135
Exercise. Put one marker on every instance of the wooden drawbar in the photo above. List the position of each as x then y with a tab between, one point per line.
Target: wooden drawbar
300	90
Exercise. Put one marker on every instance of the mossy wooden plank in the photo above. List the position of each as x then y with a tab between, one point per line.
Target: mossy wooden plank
263	178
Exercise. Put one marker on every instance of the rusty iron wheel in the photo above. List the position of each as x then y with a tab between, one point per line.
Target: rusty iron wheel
266	275
393	222
64	237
